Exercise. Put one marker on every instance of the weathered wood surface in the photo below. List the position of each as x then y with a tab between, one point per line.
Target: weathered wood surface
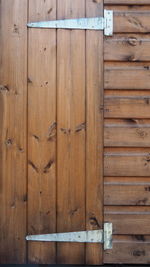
129	250
129	19
71	132
132	105
127	162
65	131
73	144
127	191
13	119
127	133
129	75
127	47
127	2
128	220
41	132
127	107
94	132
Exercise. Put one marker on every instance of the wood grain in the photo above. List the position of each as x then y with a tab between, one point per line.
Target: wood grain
129	19
42	132
127	2
127	47
71	132
13	119
129	250
127	162
127	191
94	134
131	76
127	133
129	105
65	131
128	220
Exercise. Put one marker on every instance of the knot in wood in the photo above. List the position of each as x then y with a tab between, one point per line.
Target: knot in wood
9	142
132	41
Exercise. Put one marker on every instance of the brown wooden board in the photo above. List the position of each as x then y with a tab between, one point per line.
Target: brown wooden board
127	104
127	75
126	162
127	47
127	133
127	191
129	19
71	132
128	220
129	250
13	120
94	132
127	2
41	132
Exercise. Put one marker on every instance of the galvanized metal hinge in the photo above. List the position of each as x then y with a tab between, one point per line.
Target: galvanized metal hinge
99	23
93	236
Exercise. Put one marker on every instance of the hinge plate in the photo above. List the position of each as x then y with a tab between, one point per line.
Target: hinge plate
108	17
99	23
107	236
93	236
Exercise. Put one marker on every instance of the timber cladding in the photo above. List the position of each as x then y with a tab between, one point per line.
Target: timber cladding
127	132
75	131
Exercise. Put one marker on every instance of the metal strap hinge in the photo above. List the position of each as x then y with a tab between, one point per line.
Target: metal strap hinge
99	23
93	236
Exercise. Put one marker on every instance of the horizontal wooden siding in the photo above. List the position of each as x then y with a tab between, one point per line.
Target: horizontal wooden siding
127	131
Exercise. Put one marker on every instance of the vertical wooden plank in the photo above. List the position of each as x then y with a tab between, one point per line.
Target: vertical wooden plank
42	132
13	107
71	132
94	131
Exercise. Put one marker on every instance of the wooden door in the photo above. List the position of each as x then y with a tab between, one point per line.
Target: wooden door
65	125
51	140
75	131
